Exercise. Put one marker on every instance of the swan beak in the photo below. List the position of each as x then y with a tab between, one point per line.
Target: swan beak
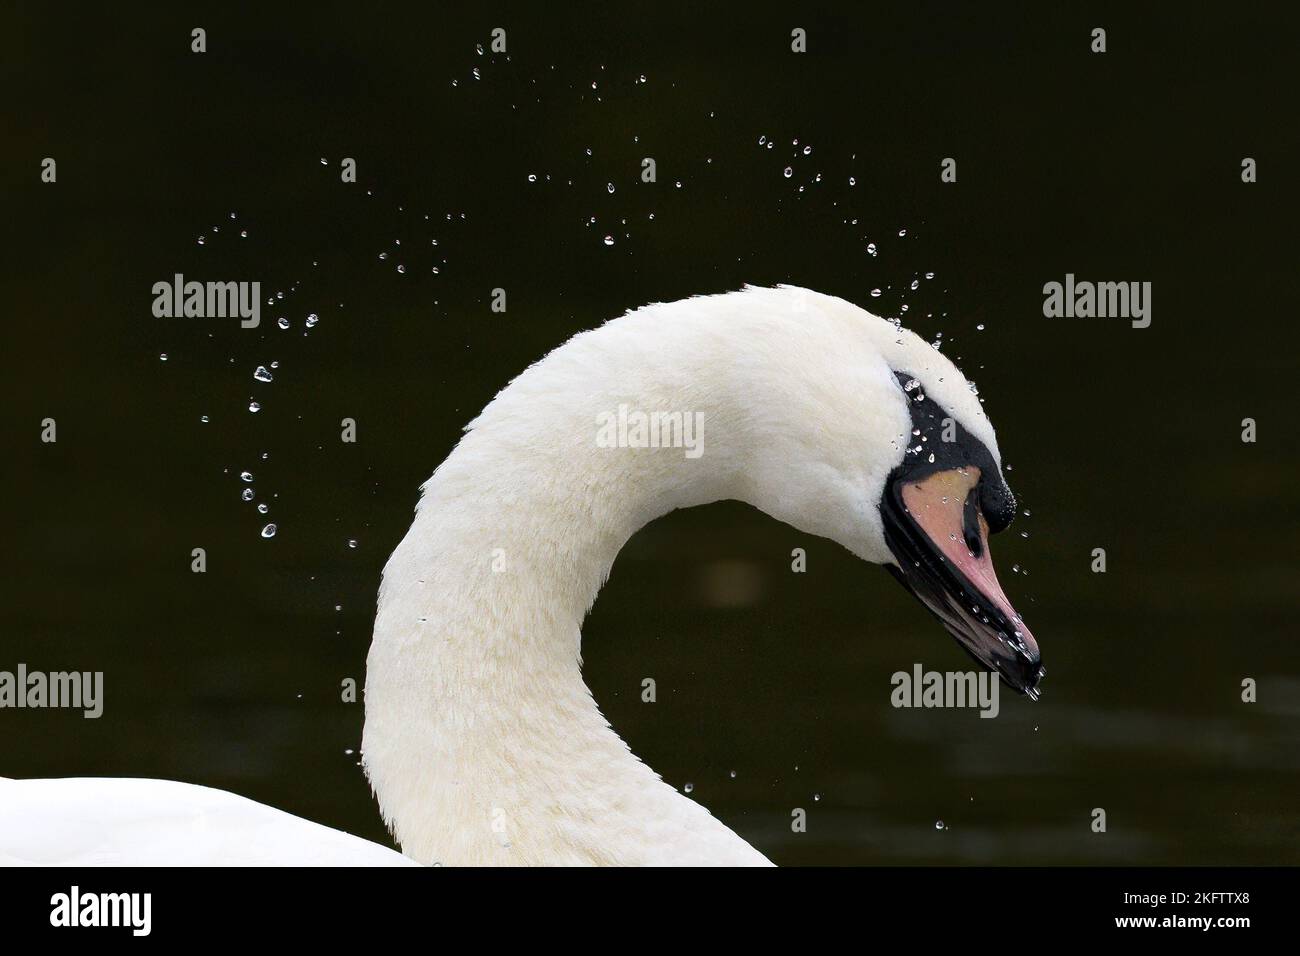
939	536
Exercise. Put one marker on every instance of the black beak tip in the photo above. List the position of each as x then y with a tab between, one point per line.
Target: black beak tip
1023	673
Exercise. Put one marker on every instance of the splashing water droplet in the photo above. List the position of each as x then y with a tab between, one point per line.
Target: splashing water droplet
262	374
269	531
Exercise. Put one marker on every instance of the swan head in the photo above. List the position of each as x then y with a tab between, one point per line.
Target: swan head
901	466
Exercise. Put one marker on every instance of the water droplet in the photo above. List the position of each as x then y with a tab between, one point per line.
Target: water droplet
871	248
203	418
312	320
609	187
269	531
788	173
875	293
532	177
980	327
247	494
733	775
902	232
246	475
852	181
939	825
282	322
401	268
262	374
162	357
263	508
254	407
609	240
352	542
689	788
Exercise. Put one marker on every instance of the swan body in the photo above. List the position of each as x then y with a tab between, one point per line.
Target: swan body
95	821
482	743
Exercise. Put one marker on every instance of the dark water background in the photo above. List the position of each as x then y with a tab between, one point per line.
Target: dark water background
1121	167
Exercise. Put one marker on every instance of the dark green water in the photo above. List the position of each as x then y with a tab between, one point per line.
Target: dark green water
1122	167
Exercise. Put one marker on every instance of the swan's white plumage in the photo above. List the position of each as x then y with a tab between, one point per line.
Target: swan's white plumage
136	822
482	742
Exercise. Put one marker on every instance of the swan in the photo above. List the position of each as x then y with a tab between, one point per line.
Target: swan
482	743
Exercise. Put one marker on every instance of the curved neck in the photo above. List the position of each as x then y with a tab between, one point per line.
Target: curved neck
482	742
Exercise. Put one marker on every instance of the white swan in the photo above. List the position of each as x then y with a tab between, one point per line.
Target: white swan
482	743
